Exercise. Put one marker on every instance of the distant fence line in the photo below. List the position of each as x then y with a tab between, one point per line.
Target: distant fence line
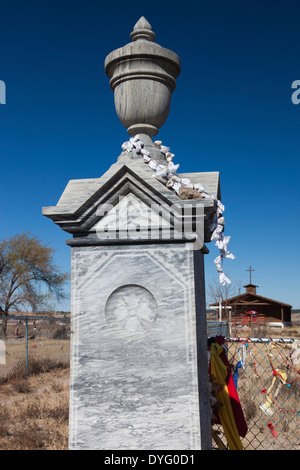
33	336
265	398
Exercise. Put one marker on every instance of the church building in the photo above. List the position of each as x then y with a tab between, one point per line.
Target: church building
250	307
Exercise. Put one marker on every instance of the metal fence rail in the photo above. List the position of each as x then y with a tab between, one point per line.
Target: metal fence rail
33	339
265	370
266	373
217	328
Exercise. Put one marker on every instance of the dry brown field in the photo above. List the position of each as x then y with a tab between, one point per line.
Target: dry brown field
34	413
34	408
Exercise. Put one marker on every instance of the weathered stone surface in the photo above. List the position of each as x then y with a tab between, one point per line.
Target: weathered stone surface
139	377
142	76
78	208
139	344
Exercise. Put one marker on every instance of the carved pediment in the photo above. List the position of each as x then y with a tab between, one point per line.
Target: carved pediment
126	196
129	213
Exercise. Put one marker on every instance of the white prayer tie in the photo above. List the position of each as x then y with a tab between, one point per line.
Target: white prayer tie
173	181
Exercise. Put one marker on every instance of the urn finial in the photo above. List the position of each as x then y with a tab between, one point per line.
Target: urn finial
142	76
142	30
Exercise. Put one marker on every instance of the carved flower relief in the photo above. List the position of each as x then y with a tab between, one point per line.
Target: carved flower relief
131	311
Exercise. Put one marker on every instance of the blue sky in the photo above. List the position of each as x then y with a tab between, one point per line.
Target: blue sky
231	112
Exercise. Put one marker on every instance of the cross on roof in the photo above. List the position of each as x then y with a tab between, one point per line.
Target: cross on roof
250	270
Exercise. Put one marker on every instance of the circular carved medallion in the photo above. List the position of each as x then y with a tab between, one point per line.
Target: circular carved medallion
131	311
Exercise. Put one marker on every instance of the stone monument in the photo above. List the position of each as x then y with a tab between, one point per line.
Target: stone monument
139	364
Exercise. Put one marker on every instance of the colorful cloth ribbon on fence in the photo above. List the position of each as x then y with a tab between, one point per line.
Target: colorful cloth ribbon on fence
236	373
267	406
272	429
230	415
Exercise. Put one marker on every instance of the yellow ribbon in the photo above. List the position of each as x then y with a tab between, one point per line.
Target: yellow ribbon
219	371
267	406
218	441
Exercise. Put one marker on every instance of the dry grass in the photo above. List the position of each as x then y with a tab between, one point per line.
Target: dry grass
39	351
34	411
266	332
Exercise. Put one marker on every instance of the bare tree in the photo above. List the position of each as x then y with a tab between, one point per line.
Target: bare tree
28	275
216	293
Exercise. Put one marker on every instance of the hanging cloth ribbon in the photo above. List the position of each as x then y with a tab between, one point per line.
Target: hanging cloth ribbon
267	406
218	441
272	429
236	374
230	415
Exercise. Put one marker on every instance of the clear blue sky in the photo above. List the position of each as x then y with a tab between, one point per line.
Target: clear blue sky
231	112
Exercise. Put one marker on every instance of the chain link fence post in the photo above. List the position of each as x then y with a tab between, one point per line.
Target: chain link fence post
26	345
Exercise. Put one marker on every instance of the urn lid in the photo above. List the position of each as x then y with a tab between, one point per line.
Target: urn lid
143	47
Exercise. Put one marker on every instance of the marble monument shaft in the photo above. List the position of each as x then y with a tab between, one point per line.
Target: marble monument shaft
139	363
136	354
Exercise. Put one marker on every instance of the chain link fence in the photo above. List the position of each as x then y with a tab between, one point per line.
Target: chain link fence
266	375
217	328
265	370
33	342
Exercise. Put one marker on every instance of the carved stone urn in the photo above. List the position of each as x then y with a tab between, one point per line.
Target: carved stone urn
142	76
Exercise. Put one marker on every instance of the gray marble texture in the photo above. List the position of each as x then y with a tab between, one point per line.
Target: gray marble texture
143	76
139	378
138	350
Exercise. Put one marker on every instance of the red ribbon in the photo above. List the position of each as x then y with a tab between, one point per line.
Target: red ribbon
272	429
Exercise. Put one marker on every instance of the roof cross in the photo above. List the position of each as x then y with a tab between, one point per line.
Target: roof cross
250	270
